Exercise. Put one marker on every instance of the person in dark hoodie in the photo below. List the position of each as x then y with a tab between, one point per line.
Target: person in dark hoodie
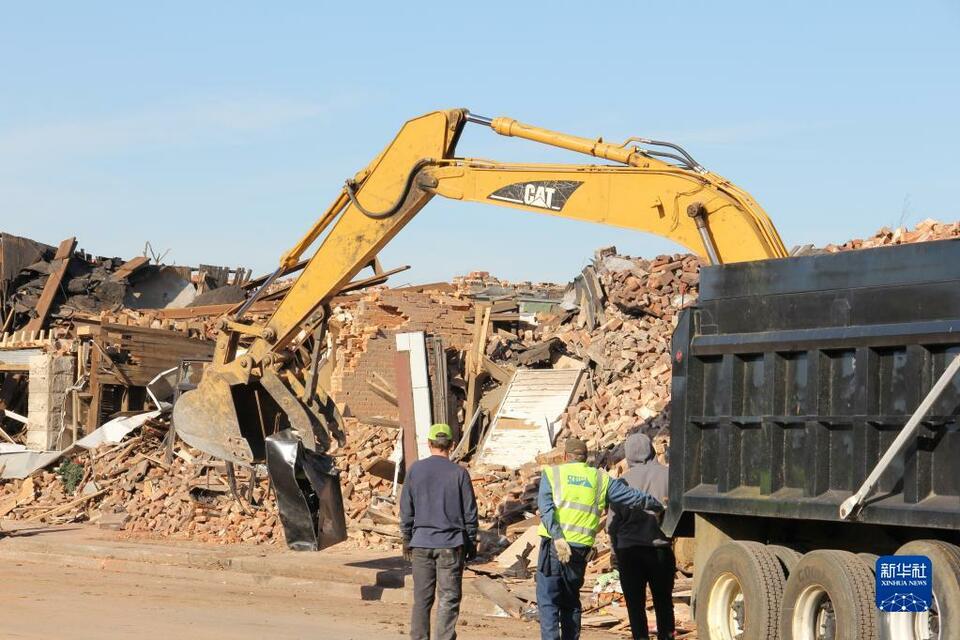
644	553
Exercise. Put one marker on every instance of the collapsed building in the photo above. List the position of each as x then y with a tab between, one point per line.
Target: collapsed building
512	367
71	354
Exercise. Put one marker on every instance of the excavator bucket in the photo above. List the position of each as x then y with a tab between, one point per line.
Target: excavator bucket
206	418
233	421
263	420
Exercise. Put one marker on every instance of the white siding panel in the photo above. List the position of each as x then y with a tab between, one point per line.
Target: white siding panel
530	411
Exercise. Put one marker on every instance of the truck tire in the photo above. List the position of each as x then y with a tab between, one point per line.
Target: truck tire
942	622
788	557
869	559
830	594
739	593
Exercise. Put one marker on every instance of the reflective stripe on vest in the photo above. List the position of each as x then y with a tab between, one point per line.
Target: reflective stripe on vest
579	504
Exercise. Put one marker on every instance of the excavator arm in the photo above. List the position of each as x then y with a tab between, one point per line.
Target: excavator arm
646	185
657	201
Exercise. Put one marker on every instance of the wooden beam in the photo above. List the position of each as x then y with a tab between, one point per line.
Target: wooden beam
379	278
463	447
125	380
354	285
498	373
207	310
128	267
58	268
494	591
380	421
96	391
256	282
482	340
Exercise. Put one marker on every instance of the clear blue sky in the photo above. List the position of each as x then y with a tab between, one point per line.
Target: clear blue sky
220	130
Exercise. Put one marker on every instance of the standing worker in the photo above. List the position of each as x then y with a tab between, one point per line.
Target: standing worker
438	519
644	553
572	499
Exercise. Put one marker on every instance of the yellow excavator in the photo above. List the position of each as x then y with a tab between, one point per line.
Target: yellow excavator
263	378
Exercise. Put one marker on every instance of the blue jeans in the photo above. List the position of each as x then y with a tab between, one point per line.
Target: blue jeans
558	592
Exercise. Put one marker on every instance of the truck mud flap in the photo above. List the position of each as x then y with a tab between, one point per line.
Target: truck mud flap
308	493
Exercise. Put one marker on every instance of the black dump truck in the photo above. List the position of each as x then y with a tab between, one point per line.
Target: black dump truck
814	428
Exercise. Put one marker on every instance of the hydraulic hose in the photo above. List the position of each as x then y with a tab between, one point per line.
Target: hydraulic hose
350	186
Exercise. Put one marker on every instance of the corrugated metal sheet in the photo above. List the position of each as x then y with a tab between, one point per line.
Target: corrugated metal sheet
531	407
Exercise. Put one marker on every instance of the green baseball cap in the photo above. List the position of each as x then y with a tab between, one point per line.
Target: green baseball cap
440	430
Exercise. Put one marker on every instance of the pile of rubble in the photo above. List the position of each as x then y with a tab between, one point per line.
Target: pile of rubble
621	329
135	486
614	323
81	336
630	351
38	281
925	231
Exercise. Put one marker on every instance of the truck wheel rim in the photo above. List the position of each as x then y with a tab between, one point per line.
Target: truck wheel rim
915	626
813	615
725	608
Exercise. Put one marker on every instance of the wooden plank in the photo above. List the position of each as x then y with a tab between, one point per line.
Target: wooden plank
439	387
379	278
96	391
380	421
474	365
133	330
112	365
498	373
463	447
128	267
509	556
393	532
59	267
501	317
213	310
499	595
473	391
66	506
501	306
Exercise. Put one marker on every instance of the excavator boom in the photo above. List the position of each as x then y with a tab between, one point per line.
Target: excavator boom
645	185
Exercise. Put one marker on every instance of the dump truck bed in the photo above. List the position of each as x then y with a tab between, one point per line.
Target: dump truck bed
791	377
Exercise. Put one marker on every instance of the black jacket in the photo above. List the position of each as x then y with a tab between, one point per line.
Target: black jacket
633	527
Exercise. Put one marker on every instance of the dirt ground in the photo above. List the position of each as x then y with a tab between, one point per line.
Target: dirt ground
44	601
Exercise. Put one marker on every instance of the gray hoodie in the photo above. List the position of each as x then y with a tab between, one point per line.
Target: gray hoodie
633	527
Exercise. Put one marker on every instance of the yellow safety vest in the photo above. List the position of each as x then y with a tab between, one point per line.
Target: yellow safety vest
580	497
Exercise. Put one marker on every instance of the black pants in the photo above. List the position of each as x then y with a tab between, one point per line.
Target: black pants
656	566
436	573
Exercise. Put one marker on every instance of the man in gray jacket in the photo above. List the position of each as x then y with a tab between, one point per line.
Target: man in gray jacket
644	553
